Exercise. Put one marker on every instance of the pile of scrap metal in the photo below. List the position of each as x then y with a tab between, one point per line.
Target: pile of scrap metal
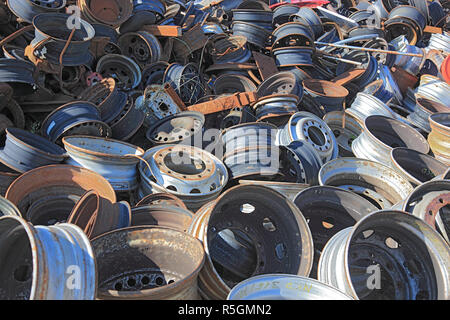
233	149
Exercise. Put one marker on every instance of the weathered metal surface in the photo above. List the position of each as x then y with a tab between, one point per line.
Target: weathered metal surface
230	49
283	13
232	83
417	167
138	21
422	110
378	183
368	62
7	176
293	56
377	89
347	77
115	160
161	199
248	151
292	34
192	40
141	46
276	108
37	267
366	104
153	73
329	210
148	263
96	215
185	80
177	128
405	20
24	151
237	116
435	12
155	6
266	65
106	96
226	103
284	287
18	74
403	78
410	12
156	104
389	82
245	233
254	34
410	64
28	9
300	163
439	137
439	42
128	122
278	94
381	134
287	189
309	17
7	208
280	83
433	89
412	255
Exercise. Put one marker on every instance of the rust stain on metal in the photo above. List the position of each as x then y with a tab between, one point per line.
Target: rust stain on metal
163	31
58	175
225	103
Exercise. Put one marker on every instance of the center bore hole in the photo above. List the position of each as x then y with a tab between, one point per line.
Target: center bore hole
184	163
316	136
22	273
